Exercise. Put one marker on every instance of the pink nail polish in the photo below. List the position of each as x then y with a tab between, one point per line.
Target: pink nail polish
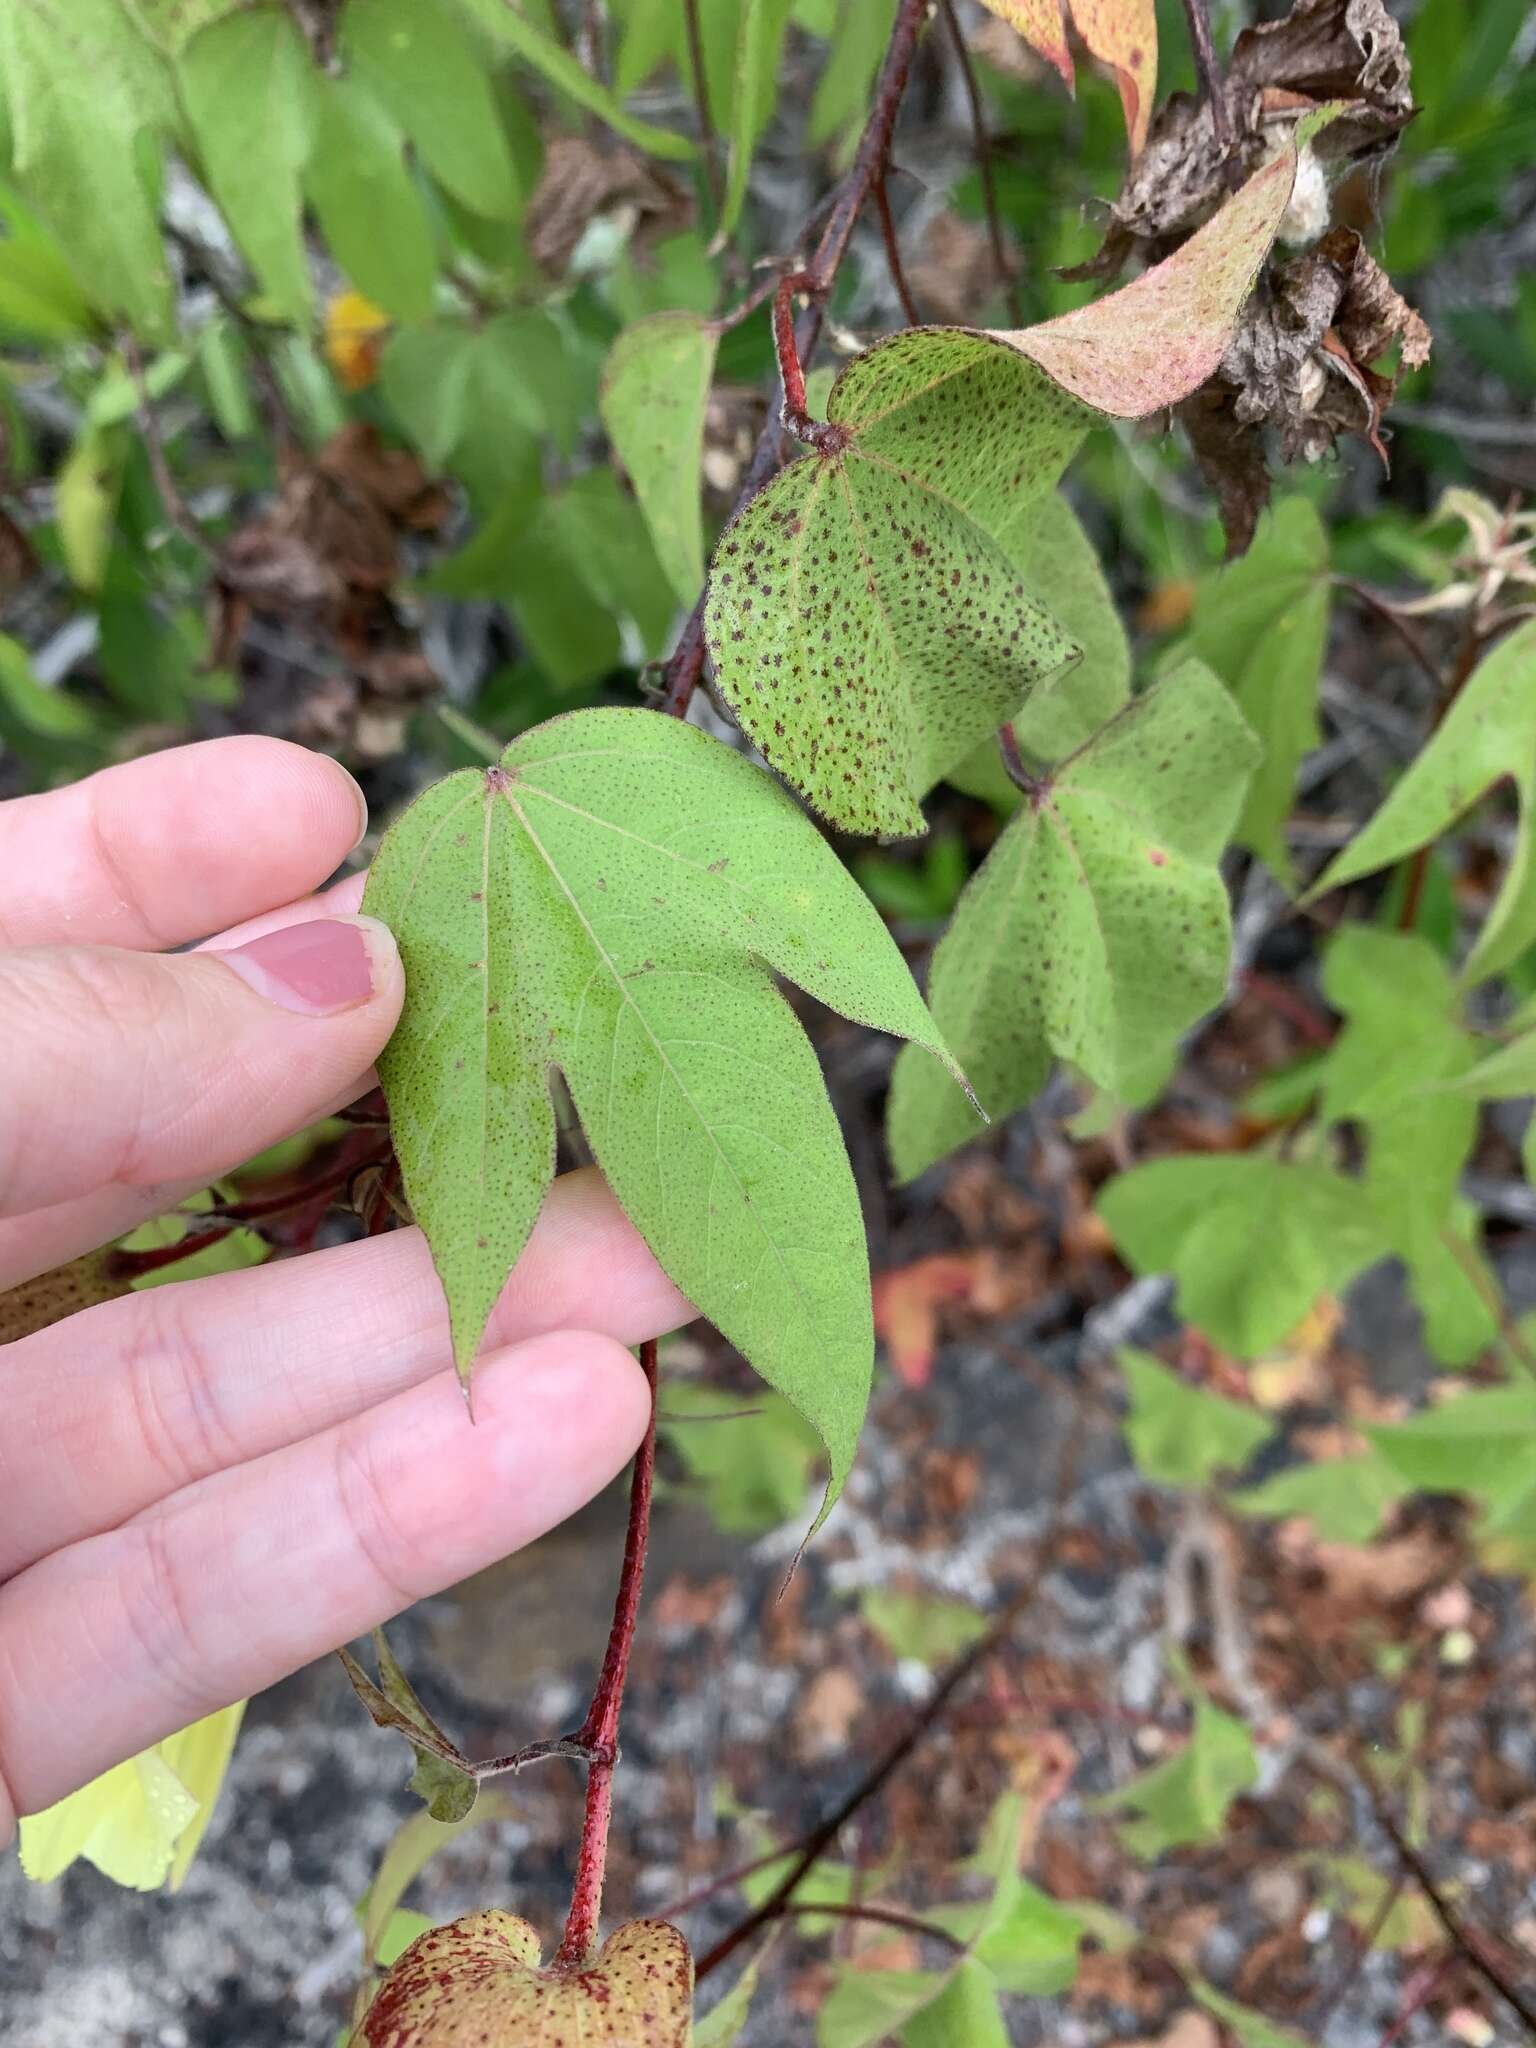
316	968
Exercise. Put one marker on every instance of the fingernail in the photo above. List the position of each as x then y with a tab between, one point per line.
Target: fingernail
362	808
318	968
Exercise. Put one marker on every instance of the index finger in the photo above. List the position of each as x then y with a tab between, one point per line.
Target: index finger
176	845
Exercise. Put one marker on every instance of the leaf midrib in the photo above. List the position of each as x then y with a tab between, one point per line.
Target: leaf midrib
666	1064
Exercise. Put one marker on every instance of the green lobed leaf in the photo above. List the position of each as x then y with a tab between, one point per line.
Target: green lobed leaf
1402	1041
654	397
423	67
1343	1498
606	901
1488	734
88	99
865	617
866	2007
1252	1240
1183	1435
368	202
1059	564
1098	928
252	98
561	69
1262	624
1185	1800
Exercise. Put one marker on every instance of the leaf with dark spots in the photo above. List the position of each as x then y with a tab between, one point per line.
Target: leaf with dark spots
478	1981
866	618
1097	930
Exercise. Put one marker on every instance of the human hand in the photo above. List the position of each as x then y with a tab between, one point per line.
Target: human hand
205	1485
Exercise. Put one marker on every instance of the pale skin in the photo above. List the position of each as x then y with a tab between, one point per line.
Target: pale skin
203	1486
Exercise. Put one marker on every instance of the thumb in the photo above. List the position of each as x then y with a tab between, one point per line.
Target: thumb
143	1068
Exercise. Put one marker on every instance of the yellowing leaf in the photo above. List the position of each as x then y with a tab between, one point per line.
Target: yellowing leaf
1042	26
139	1823
1123	35
479	1980
354	332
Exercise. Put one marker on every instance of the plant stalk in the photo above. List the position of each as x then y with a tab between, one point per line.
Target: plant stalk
599	1733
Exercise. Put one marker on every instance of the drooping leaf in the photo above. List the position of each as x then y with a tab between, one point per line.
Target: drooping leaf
367	201
600	902
841	99
923	1626
478	1979
1488	734
654	398
1185	1800
1262	624
1097	930
1343	1498
139	1823
252	98
1183	1435
475	400
88	99
85	495
443	1779
865	616
567	75
421	66
753	1468
1252	1240
759	40
1402	1041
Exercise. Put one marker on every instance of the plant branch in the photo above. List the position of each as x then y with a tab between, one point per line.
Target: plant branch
599	1733
1405	630
1208	71
825	1833
893	251
984	171
1469	1944
682	673
887	1916
1013	762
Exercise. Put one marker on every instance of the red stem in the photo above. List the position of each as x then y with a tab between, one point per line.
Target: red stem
893	252
599	1733
683	672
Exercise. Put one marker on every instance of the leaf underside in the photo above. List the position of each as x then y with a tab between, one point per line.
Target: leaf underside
607	902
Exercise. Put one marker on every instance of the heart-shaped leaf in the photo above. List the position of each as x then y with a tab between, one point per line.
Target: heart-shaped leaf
870	615
478	1981
607	901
